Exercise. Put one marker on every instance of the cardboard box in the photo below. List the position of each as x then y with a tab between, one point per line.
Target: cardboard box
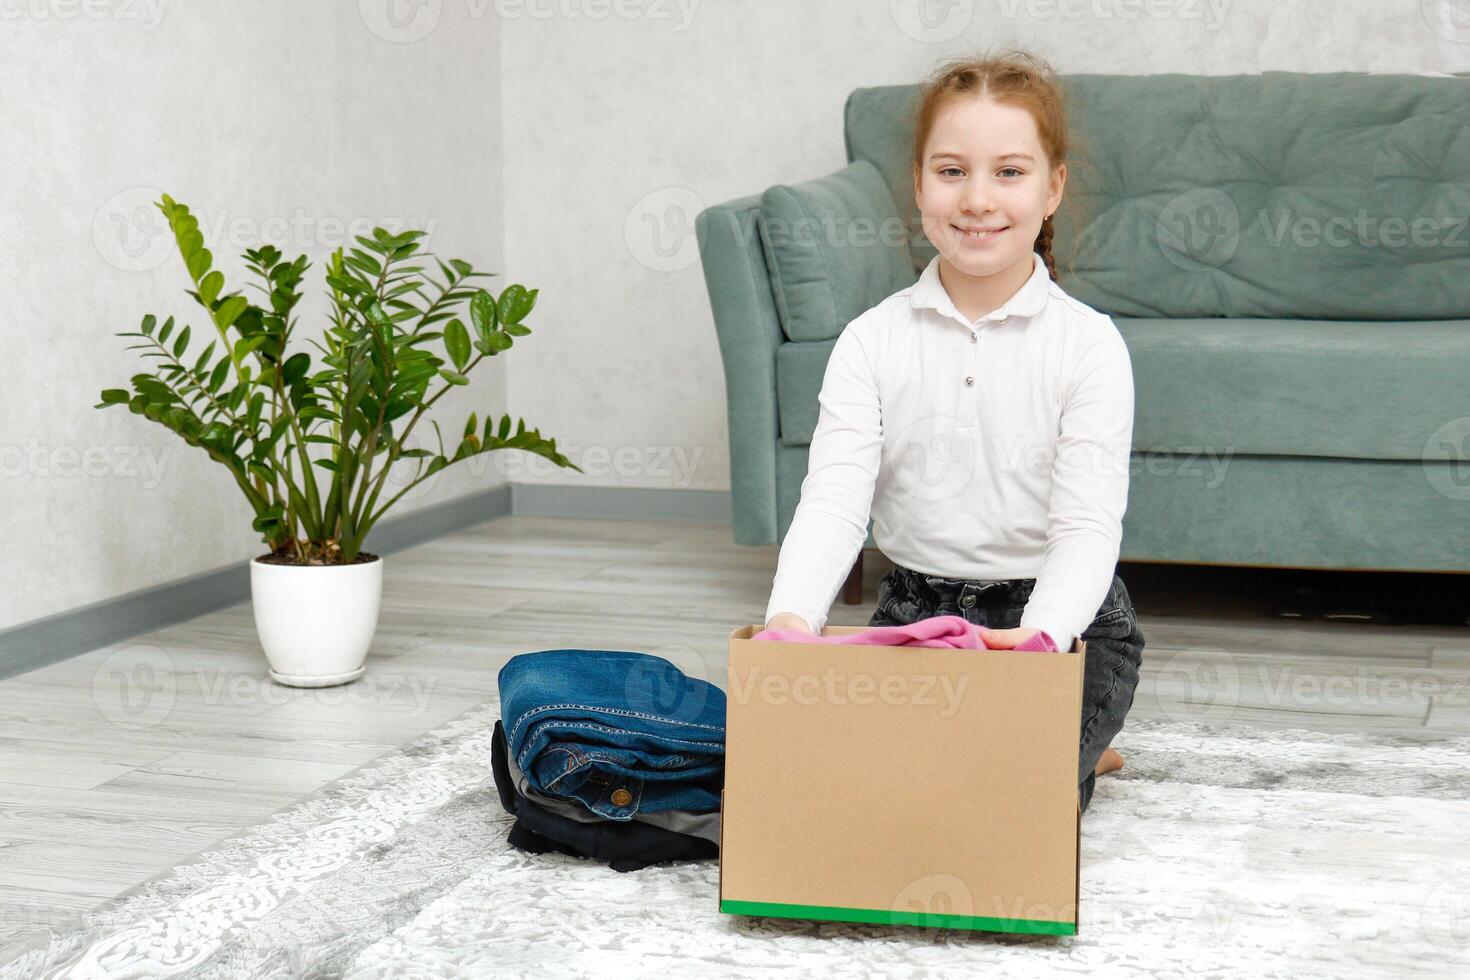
903	785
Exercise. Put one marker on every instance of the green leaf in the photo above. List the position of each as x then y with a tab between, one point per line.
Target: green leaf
217	376
435	318
183	342
376	314
457	343
149	322
252	414
468	447
471	424
408	286
483	313
313	412
409	340
402	403
295	368
214	433
453	377
362	260
416	371
515	303
229	311
210	286
197	259
263	446
115	396
517	329
245	346
237	395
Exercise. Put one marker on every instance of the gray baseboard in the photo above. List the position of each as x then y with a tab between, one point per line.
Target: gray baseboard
99	624
621	503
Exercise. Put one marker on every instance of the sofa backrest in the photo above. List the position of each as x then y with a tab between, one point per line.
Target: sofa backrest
1314	196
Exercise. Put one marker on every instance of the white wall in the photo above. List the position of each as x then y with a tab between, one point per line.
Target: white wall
544	138
282	120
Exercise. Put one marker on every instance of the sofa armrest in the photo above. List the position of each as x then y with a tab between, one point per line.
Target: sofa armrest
749	334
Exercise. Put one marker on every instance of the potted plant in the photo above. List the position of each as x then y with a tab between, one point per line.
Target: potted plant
311	445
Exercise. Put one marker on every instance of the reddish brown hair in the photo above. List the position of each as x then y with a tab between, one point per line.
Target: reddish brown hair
1012	77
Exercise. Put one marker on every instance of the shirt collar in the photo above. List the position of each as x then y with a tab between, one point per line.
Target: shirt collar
929	292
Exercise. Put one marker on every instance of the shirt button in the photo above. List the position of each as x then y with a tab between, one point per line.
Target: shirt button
969	382
621	797
973	338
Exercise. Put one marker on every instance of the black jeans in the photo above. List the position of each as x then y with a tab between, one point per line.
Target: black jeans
1114	643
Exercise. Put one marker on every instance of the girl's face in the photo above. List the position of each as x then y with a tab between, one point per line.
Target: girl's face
985	185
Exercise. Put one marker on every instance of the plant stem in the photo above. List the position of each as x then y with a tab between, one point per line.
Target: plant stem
394	451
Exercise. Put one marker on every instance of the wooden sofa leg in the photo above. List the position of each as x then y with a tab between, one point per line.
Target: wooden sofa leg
852	589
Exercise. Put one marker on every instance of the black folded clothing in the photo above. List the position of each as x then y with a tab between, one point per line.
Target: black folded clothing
626	845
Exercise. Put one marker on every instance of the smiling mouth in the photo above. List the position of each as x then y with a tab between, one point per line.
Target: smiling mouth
979	236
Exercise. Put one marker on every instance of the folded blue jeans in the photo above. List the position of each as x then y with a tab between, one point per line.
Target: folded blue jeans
619	732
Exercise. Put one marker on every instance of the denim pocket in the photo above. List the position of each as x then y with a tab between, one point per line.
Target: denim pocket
1115	624
1115	620
898	605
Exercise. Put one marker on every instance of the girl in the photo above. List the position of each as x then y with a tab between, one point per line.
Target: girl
983	414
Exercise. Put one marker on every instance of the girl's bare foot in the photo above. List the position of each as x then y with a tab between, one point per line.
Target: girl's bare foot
1109	762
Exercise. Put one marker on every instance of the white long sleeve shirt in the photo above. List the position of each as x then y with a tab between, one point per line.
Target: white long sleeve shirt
992	449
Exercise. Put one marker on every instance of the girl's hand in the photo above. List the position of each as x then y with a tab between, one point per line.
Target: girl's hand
788	621
1006	639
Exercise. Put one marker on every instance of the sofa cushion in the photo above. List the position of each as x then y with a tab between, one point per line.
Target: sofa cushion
1334	196
834	247
1216	388
1356	390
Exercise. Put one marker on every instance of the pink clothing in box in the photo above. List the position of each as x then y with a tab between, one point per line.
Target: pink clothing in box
954	632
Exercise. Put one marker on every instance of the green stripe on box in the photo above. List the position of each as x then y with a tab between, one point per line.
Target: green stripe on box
934	920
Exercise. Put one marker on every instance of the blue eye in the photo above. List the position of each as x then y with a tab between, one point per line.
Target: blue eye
1004	169
948	169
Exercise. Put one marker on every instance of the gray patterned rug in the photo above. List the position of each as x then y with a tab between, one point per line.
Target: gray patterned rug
1215	852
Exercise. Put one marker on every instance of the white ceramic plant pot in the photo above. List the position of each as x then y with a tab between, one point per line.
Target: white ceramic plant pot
316	622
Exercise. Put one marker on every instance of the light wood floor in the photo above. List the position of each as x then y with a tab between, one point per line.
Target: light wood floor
119	763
